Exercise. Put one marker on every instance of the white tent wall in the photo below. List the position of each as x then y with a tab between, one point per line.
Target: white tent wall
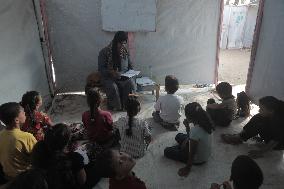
21	59
267	70
185	43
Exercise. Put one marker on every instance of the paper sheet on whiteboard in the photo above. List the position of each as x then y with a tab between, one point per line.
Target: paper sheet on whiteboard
129	15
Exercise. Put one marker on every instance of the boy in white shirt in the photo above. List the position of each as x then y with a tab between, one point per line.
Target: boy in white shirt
168	108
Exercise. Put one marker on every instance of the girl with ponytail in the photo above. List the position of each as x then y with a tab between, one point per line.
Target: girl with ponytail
194	148
36	121
135	133
98	123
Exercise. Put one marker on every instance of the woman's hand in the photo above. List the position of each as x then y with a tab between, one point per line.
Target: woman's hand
183	172
255	154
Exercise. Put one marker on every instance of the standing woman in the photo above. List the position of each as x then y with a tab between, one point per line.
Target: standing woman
112	61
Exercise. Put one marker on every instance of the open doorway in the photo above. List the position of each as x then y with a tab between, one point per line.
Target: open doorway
237	31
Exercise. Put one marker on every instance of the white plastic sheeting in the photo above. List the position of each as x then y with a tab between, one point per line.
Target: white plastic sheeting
238	26
184	43
129	15
249	26
22	66
267	75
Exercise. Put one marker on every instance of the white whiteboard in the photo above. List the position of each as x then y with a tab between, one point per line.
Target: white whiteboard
129	15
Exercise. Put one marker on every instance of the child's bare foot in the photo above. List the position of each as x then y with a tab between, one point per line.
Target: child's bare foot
231	139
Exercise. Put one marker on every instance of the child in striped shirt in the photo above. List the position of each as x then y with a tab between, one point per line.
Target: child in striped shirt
135	133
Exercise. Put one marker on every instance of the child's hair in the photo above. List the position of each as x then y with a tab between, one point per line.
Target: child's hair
224	88
273	104
245	173
171	84
243	103
32	179
49	155
93	100
195	114
30	99
57	137
29	102
9	111
104	164
132	107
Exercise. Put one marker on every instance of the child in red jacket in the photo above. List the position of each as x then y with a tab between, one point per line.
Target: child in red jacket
36	120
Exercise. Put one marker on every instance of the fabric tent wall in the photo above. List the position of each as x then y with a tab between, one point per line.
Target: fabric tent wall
21	60
184	44
249	26
267	71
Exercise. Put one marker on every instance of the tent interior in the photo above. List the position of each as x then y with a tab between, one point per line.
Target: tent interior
51	46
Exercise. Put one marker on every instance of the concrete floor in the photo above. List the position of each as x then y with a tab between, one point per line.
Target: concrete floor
233	66
161	173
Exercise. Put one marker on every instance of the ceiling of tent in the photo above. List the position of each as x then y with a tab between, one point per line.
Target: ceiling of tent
184	43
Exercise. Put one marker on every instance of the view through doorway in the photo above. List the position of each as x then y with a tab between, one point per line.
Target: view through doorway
237	30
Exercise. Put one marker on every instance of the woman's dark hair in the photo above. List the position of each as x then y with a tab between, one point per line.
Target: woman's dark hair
119	37
224	88
93	100
133	108
29	102
9	111
273	104
171	84
195	114
57	137
31	179
245	173
104	164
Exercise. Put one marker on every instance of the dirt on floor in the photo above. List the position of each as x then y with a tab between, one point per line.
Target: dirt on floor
233	66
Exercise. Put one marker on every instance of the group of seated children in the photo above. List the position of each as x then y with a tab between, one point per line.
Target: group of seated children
29	141
30	145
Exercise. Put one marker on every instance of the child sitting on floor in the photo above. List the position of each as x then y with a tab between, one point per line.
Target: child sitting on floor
135	133
36	121
64	169
245	173
222	114
118	167
243	105
198	150
268	124
168	107
15	145
99	123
